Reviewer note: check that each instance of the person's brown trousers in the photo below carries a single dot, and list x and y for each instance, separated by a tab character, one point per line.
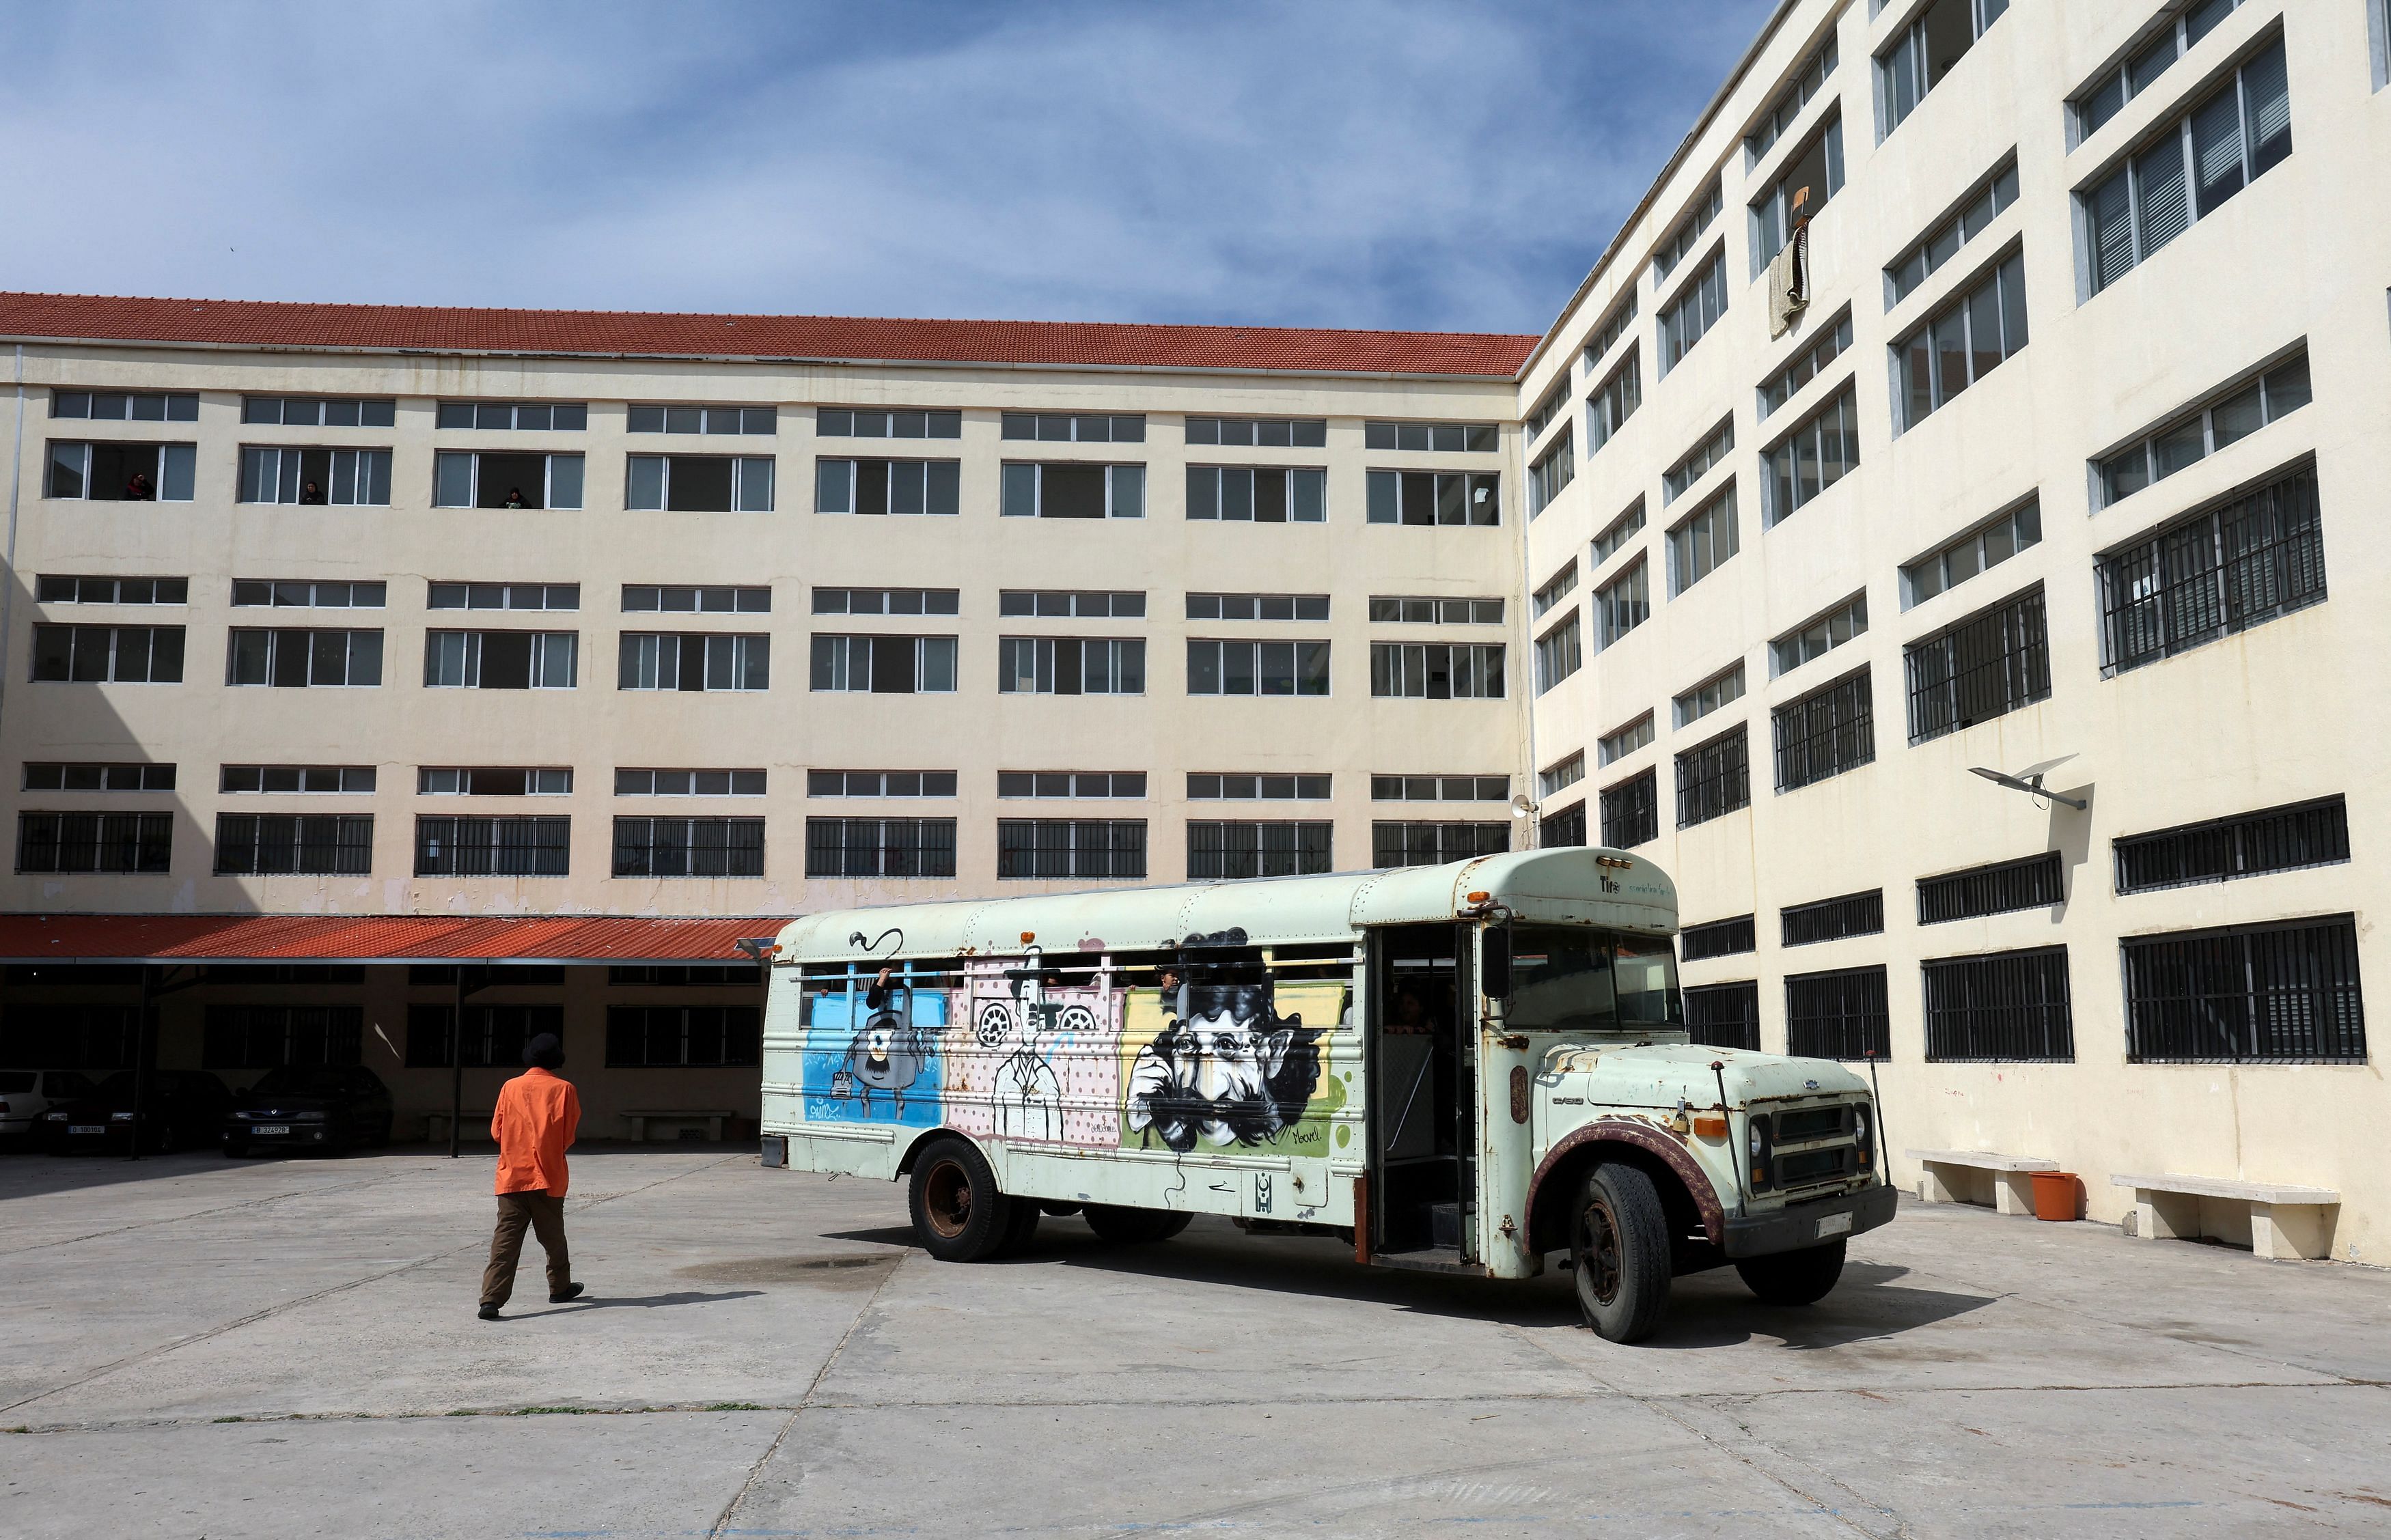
543	1215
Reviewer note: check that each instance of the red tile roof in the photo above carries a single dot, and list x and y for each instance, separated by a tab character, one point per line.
255	323
370	938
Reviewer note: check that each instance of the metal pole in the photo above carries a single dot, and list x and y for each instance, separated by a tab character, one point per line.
144	1045
456	1065
16	489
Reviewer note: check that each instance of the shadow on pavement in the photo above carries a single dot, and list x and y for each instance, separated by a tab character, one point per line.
1714	1310
642	1302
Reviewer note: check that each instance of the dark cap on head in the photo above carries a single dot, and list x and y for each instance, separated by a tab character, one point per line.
544	1052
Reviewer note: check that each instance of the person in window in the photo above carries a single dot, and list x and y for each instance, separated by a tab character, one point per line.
514	499
310	492
538	1113
138	490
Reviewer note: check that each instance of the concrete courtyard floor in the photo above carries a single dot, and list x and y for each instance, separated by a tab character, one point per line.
192	1346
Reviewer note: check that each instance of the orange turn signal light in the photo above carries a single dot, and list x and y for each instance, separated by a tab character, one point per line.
1479	897
1710	1125
1029	936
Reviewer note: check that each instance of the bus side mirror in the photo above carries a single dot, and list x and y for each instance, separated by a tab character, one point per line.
1495	962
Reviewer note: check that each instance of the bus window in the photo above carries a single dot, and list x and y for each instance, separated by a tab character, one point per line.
1647	970
1560	980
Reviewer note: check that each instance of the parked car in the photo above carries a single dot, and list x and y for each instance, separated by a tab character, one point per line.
185	1107
25	1095
327	1108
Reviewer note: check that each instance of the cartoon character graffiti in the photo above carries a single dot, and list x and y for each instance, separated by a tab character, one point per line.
887	1053
1226	1068
1028	1094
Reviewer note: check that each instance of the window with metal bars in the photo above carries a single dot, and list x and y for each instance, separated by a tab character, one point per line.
1715	778
1718	938
672	1038
2248	844
269	1037
1565	828
1266	848
1725	1016
1826	732
1041	847
492	1038
1833	918
96	1039
2255	994
2001	888
1425	845
492	847
2254	557
1987	665
93	841
2005	1007
689	847
1838	1015
1631	811
880	847
309	843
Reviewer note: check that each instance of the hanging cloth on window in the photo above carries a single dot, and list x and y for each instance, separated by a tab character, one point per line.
1789	283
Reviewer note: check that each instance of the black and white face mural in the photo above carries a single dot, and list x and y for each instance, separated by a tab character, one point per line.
1226	1068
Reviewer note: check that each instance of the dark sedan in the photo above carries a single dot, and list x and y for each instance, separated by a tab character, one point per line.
323	1108
183	1108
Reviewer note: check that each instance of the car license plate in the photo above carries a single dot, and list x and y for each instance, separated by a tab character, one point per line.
285	1128
86	1128
1834	1223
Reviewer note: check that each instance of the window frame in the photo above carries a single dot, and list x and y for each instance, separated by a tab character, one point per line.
1302	494
1809	750
941	489
2154	467
1011	482
1278	847
925	666
1961	304
1722	761
1611	603
743	484
443	458
176	464
1909	39
1708	283
1938	705
1309	663
1699	551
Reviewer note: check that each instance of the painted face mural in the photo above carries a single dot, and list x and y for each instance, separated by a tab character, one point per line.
887	1055
1226	1068
871	1053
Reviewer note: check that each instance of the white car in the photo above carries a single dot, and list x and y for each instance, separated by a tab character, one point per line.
25	1095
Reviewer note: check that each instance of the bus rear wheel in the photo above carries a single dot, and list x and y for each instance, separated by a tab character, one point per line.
959	1212
1134	1226
1619	1253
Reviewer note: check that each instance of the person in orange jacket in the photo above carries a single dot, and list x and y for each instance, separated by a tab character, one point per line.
538	1116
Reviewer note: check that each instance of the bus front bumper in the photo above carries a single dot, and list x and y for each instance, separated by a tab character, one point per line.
1811	1224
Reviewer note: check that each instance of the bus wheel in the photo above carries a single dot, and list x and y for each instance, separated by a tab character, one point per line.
1134	1226
1619	1253
1794	1278
959	1214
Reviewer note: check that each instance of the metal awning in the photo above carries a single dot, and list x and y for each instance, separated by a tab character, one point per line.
374	938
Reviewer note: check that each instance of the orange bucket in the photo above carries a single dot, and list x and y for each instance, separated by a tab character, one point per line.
2054	1195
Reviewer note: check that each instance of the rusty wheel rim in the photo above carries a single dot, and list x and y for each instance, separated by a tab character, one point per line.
1598	1252
946	1199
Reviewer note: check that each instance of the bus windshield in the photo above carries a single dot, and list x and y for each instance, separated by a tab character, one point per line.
1567	978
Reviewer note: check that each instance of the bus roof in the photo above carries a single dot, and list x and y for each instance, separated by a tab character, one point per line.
1570	885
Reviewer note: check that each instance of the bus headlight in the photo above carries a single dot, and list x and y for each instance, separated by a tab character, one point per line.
1864	1135
1761	1142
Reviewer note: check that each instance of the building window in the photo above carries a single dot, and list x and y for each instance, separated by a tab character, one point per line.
96	1039
689	847
1693	311
275	780
1831	339
1010	602
500	659
1443	438
1420	845
1798	94
1833	918
1065	428
1825	733
1725	1016
1235	850
1564	829
492	780
271	1037
2189	169
1720	689
1261	432
1924	53
1631	811
1984	203
1618	745
157	406
1211	786
1688	232
1396	610
2255	994
492	1038
1039	849
1718	938
123	472
1623	605
847	422
1715	778
2291	837
698	483
1559	654
99	777
1070	785
294	659
1614	327
1243	494
683	975
882	666
301	594
869	783
65	843
1614	401
1440	788
931	487
1257	667
1696	462
715	660
2378	28
1548	410
1436	671
641	598
1814	456
880	847
2250	405
1435	497
2002	888
700	782
466	479
719	419
670	1037
1074	491
1560	586
1554	470
1964	341
118	654
2249	559
336	477
488	596
2106	93
532	417
1980	549
2007	1008
1809	179
1992	663
1074	665
1818	637
514	846
327	844
1615	535
1838	1015
884	601
1702	542
50	589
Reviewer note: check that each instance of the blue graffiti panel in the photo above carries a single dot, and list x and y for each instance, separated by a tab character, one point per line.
871	1055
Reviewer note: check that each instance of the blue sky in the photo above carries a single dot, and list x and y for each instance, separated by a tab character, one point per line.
1431	165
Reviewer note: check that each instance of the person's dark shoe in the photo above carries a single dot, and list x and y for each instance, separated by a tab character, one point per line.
572	1292
489	1313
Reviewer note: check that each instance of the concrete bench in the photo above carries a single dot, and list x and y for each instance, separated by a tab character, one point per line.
2285	1221
713	1121
2009	1176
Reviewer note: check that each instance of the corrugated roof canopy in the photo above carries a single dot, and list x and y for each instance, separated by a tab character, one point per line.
371	938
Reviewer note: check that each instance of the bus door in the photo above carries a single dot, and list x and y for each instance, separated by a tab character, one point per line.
1423	1096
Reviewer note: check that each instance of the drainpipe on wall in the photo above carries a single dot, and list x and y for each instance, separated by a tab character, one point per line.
16	491
1525	674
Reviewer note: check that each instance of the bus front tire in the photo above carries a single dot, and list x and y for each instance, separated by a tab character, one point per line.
1133	1226
1794	1278
1619	1253
1019	1230
959	1212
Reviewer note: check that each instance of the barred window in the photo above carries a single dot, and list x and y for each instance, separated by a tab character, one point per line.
329	845
1044	848
2255	995
93	841
2252	559
880	847
2001	888
94	1038
1715	778
522	846
1725	1016
1826	733
689	847
270	1038
1229	850
1563	828
2248	844
1434	844
1833	918
1838	1015
492	1038
1435	671
2008	1008
672	1038
1631	811
1718	938
1987	665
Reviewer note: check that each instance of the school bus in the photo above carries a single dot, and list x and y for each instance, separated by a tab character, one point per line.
1466	1069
